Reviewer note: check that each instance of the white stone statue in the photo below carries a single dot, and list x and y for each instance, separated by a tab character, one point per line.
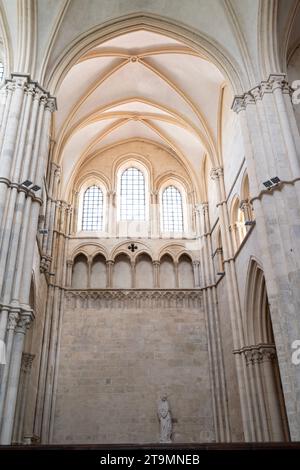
165	419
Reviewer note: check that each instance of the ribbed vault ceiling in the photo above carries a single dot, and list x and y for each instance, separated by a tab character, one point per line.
138	86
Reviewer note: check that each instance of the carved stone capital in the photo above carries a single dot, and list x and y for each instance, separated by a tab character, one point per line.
10	86
20	81
154	196
45	264
216	173
258	353
205	207
244	203
197	208
276	81
38	94
249	98
27	360
253	356
51	104
273	83
255	94
110	262
31	90
268	353
238	104
201	208
112	196
12	320
24	322
23	82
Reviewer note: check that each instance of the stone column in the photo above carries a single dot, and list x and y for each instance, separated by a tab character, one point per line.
50	213
156	274
112	213
133	274
176	274
253	359
190	213
196	264
69	273
109	273
52	330
23	159
154	214
8	413
235	236
220	260
16	95
272	144
75	227
269	420
276	413
234	303
216	360
19	420
13	318
89	266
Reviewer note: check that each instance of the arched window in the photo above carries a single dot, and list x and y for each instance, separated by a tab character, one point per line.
132	195
172	210
92	210
237	223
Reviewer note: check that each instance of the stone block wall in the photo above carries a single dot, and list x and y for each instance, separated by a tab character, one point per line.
120	352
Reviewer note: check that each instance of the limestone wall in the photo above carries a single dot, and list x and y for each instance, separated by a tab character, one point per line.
120	351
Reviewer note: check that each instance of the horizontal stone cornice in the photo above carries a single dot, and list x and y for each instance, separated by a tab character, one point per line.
257	353
133	298
274	81
20	188
23	81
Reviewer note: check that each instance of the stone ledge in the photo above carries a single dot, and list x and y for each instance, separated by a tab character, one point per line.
133	298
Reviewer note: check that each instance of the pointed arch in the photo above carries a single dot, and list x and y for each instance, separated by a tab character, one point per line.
262	367
257	321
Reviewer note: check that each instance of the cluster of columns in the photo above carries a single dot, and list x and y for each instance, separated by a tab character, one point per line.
20	434
24	143
253	406
267	410
47	225
272	146
46	395
216	360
